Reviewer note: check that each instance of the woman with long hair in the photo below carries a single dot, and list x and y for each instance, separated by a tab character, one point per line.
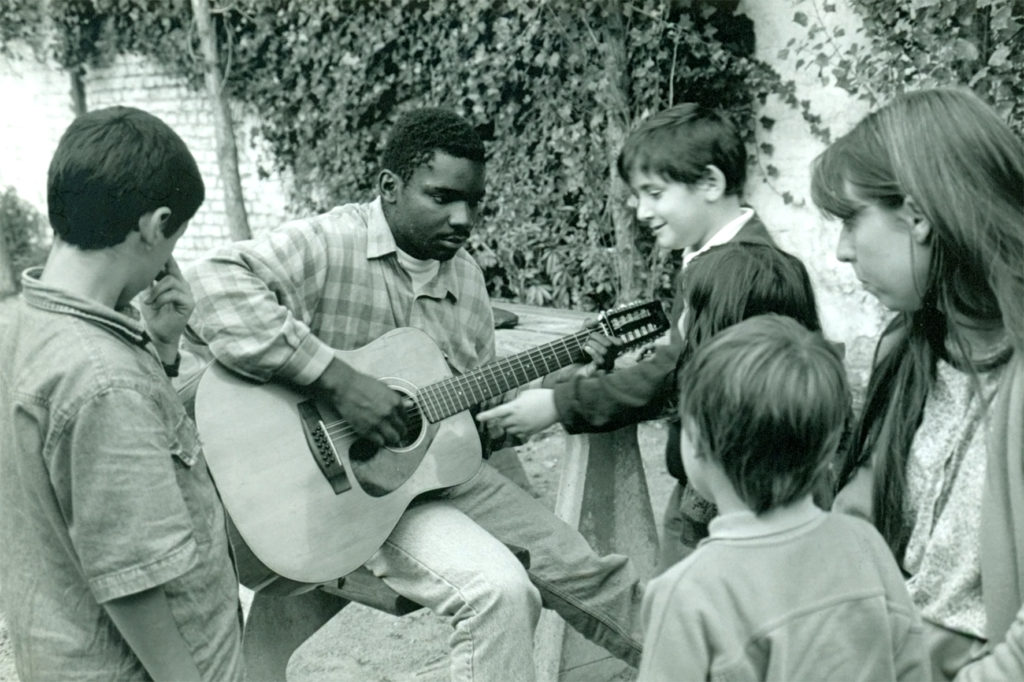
930	191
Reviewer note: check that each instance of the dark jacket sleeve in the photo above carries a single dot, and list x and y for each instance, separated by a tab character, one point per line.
643	391
625	396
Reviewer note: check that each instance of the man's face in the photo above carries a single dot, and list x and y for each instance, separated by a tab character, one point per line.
433	212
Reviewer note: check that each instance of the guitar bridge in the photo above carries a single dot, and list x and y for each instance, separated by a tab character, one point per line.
322	448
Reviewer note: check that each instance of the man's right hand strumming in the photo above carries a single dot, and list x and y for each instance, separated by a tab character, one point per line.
374	411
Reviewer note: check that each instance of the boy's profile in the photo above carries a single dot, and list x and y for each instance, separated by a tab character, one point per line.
686	167
115	561
780	590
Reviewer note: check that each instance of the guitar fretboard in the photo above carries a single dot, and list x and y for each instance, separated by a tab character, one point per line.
453	395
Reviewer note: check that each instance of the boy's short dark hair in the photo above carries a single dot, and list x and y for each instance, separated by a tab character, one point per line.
767	399
418	134
679	144
111	167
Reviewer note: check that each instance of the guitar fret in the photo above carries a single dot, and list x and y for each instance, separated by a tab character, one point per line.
457	393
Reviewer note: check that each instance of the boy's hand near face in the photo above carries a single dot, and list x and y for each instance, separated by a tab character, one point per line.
167	306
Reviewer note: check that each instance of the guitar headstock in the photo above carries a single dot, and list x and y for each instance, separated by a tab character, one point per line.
634	323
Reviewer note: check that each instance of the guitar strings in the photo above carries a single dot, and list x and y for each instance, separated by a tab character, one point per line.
342	428
459	384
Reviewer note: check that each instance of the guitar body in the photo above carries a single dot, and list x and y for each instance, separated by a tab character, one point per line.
303	524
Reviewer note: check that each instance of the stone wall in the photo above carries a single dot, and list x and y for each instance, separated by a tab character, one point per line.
848	313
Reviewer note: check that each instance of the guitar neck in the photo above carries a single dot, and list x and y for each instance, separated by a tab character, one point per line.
453	395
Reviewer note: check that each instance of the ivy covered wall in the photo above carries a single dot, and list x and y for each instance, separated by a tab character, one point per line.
553	86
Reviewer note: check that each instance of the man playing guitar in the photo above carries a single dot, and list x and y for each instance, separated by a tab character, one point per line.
276	308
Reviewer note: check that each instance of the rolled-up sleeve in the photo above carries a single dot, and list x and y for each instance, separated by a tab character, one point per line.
255	301
126	517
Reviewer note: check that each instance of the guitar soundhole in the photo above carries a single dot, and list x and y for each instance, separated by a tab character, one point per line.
363	450
413	424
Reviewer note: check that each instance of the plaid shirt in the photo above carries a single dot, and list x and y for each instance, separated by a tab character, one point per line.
274	307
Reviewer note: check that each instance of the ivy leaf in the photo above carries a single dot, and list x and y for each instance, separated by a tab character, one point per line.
800	18
965	49
1000	57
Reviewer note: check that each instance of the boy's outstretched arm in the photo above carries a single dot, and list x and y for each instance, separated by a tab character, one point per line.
624	396
144	620
533	410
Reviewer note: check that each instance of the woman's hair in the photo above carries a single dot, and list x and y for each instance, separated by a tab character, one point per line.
963	168
737	280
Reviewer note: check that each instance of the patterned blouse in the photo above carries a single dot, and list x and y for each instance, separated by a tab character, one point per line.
945	478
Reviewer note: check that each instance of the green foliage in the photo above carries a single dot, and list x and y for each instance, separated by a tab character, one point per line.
327	79
24	230
19	21
912	44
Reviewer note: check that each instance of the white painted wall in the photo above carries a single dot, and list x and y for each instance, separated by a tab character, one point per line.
848	314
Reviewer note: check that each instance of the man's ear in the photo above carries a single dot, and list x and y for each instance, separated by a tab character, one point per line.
152	225
713	183
388	185
920	226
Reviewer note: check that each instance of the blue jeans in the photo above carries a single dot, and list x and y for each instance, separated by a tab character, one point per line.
448	553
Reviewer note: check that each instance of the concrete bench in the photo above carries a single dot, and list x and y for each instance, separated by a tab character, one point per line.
602	491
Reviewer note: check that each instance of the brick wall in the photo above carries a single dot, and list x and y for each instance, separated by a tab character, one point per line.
31	128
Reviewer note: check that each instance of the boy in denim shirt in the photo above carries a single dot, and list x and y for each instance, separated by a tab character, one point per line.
779	590
115	561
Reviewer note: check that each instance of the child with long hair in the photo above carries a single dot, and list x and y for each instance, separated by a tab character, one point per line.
722	286
930	189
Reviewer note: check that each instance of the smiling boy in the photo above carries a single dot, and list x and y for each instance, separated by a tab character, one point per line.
686	167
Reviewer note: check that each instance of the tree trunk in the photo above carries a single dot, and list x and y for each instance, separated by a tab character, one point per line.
7	283
616	105
77	78
224	130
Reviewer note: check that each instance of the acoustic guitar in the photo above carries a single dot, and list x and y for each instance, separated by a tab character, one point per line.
312	500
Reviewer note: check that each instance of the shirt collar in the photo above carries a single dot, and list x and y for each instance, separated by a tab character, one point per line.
725	234
380	242
746	524
126	322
